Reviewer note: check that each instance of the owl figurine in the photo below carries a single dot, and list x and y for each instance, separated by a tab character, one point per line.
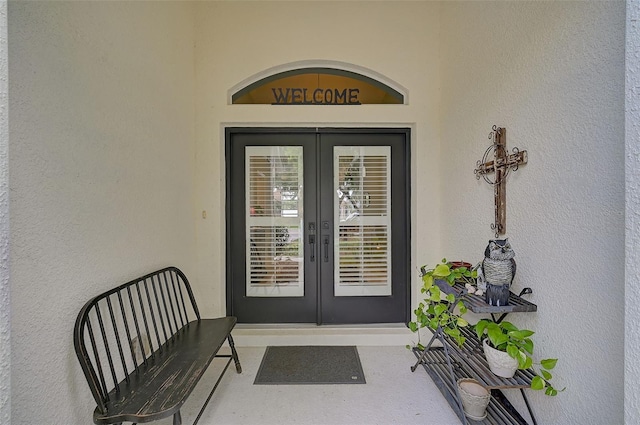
498	269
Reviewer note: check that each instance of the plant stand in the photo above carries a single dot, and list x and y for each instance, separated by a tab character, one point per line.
446	364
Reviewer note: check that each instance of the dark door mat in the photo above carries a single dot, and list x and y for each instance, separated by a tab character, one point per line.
308	364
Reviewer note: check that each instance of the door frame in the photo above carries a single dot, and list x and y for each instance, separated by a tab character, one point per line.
229	131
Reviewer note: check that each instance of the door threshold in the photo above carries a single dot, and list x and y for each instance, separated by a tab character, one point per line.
315	326
379	334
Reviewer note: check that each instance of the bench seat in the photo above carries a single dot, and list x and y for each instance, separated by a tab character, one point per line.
143	348
160	388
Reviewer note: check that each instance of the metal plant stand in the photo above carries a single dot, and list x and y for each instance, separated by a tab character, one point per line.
446	364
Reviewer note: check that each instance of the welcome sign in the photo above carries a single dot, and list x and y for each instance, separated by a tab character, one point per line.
319	96
317	86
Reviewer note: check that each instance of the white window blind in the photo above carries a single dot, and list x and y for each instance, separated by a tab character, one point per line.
274	248
362	217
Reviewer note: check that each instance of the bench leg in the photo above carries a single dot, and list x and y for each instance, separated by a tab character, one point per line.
177	418
234	354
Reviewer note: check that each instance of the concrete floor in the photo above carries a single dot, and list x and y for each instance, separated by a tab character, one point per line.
392	395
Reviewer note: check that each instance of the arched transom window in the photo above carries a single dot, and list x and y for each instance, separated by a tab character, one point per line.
317	86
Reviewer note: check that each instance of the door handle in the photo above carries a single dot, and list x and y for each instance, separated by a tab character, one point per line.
312	242
325	242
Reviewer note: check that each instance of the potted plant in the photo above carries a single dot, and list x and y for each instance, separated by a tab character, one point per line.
447	311
505	343
475	398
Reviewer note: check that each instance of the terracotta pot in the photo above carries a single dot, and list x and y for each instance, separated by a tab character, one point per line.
500	363
458	264
475	398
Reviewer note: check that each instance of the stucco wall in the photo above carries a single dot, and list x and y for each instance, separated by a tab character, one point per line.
632	294
5	311
552	73
101	159
399	40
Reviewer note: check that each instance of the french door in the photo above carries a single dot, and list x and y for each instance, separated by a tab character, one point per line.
317	225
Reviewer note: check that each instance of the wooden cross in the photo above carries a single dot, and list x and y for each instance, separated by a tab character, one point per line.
501	164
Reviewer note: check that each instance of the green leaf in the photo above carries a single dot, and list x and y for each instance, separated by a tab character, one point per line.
551	391
527	363
428	281
435	294
513	351
461	322
439	309
453	332
480	327
508	326
526	333
496	336
451	298
413	326
442	270
548	363
537	383
493	326
527	345
521	334
546	375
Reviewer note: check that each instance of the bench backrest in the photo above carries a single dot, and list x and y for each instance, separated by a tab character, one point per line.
118	332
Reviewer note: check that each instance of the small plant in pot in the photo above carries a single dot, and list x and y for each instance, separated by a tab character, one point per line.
508	348
445	312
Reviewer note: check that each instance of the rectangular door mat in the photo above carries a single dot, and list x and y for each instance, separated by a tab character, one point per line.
309	364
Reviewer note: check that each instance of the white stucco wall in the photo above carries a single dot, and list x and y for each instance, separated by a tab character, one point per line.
101	159
109	174
5	308
399	40
552	73
632	294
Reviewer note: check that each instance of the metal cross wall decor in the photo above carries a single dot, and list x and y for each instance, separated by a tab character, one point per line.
501	164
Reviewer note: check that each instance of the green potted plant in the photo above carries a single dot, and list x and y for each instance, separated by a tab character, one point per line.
436	310
508	348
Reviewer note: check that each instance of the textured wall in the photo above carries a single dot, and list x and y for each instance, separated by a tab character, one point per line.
101	160
552	73
632	294
399	40
5	311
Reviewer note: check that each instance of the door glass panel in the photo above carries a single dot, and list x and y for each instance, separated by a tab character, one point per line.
274	217
362	220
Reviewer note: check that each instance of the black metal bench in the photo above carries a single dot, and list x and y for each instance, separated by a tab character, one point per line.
143	348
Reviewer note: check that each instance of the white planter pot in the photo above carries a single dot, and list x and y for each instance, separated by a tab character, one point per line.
500	363
475	398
